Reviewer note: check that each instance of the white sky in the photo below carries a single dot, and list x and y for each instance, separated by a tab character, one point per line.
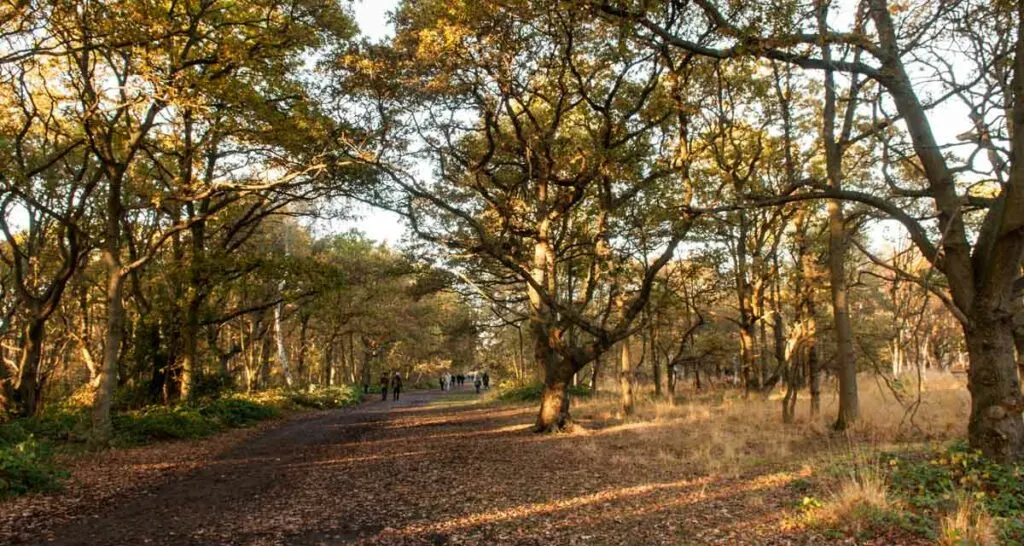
386	227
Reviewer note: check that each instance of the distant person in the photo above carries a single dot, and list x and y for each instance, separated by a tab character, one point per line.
487	381
462	379
477	383
383	386
440	381
396	385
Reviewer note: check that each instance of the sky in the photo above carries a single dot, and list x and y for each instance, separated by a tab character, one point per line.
381	226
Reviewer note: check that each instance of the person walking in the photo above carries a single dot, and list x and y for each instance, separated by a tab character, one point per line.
396	385
477	382
383	386
487	381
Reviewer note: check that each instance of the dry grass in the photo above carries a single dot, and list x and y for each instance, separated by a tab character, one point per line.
865	487
721	432
969	525
859	501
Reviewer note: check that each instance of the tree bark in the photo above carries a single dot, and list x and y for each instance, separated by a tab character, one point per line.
190	346
101	425
554	405
300	361
626	379
671	372
282	350
996	425
27	385
655	365
1018	334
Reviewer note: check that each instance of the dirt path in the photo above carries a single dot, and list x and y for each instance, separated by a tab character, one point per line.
430	469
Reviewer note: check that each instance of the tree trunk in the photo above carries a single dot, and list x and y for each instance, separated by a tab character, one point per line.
111	351
263	377
814	377
744	296
190	347
521	371
27	385
282	350
626	379
789	401
671	370
996	426
328	365
366	367
748	357
352	371
300	361
655	365
554	405
849	405
6	386
595	374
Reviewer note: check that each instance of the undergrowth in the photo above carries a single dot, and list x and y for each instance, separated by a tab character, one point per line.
27	445
949	495
533	391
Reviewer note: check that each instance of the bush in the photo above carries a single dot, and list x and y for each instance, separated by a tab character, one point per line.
533	391
237	412
59	424
162	423
325	397
26	444
26	466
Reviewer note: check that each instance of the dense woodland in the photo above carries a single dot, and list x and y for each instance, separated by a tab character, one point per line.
636	196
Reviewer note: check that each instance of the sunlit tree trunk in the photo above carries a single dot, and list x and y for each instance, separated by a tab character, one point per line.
111	350
626	379
282	349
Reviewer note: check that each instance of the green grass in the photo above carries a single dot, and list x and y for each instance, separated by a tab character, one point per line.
27	445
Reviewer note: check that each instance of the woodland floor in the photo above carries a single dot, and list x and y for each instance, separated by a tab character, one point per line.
431	469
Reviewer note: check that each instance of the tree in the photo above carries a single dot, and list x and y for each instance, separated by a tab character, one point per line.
982	260
564	138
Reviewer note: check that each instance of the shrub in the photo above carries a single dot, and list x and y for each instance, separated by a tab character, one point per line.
533	391
162	423
325	397
237	412
26	466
